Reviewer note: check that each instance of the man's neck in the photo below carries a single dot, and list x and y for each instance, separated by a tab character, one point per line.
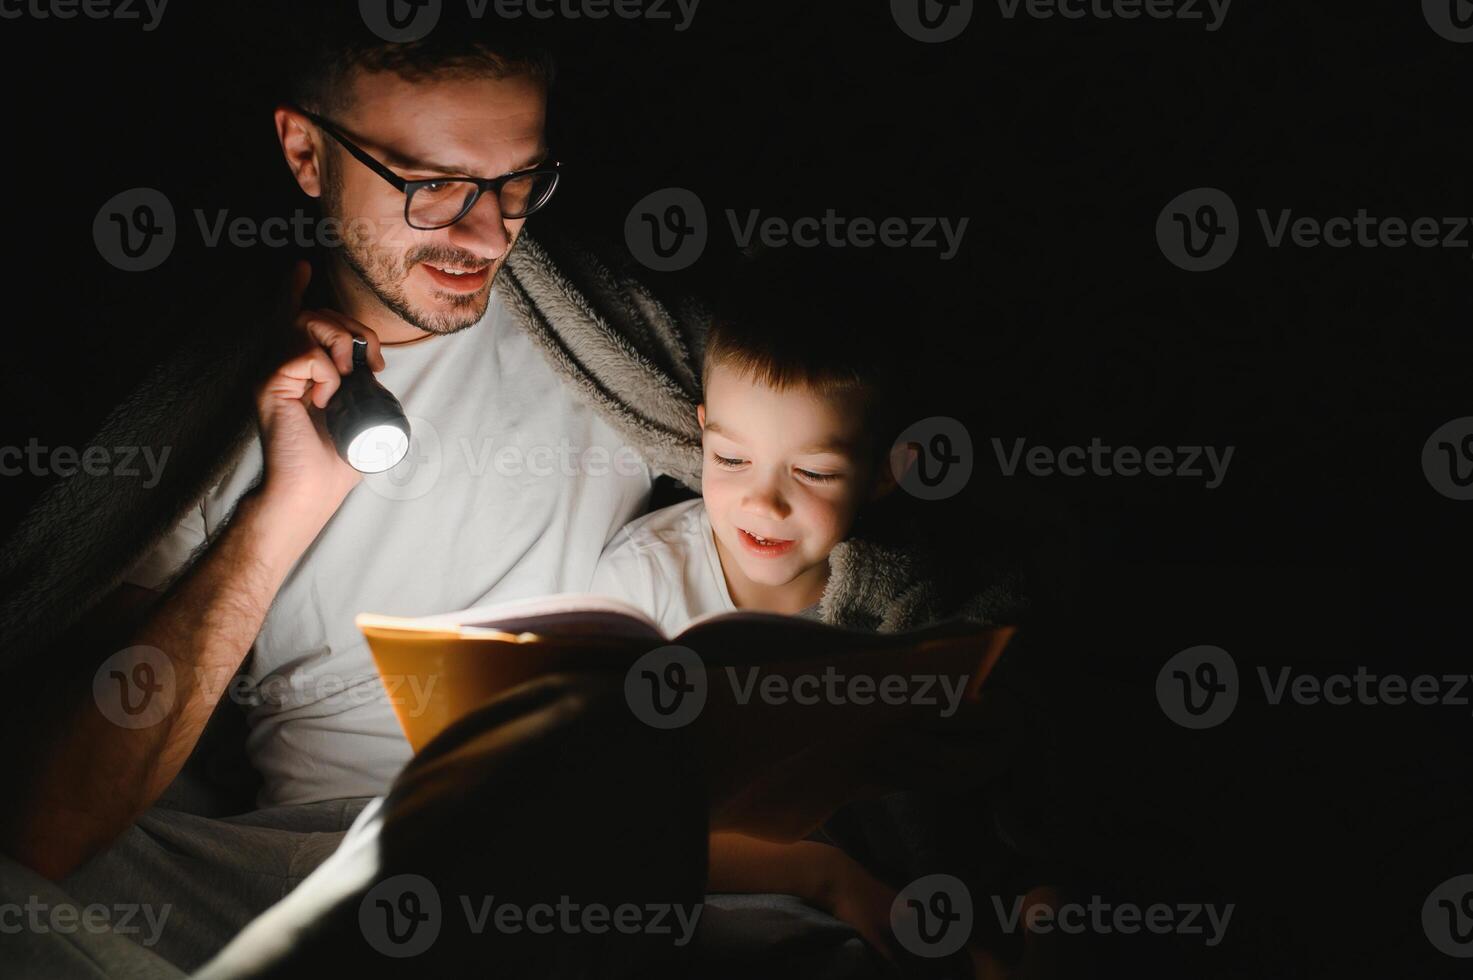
358	301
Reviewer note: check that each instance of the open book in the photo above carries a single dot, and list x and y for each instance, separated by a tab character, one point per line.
787	707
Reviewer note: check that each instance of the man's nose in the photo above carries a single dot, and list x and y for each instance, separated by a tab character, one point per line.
483	231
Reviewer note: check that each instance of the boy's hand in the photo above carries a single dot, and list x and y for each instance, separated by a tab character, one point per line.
854	896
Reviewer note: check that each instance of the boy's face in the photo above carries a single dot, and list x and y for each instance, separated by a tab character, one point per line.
792	467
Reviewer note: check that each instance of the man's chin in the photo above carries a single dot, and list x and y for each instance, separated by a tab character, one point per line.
438	312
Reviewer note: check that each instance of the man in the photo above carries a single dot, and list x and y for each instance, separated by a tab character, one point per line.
513	484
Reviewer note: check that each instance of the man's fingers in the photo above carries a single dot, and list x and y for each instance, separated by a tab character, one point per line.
313	368
335	332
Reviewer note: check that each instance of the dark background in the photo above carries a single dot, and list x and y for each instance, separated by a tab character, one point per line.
1058	321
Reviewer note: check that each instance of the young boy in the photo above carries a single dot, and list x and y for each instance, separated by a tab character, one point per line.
796	427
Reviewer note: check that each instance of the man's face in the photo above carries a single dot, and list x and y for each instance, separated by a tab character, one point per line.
441	127
791	466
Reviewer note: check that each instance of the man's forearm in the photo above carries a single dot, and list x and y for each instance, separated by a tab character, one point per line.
99	776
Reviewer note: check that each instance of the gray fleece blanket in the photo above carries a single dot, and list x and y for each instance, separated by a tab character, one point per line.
633	358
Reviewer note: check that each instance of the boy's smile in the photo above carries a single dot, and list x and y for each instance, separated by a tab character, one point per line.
765	547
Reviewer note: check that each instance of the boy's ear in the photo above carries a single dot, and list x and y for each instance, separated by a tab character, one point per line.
899	460
701	415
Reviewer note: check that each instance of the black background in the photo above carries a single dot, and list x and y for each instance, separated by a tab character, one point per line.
1059	320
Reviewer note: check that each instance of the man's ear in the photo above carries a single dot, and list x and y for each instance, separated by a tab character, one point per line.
299	144
701	415
897	463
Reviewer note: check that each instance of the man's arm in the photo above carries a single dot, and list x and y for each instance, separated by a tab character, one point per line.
95	777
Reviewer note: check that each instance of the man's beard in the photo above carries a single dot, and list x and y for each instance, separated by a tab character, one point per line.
384	273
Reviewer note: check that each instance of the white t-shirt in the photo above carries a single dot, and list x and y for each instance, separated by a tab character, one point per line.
511	489
665	563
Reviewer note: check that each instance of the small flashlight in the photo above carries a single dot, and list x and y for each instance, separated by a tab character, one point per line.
365	420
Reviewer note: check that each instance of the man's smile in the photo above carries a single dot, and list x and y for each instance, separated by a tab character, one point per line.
458	278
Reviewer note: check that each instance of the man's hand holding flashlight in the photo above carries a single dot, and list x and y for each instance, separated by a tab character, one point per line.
305	479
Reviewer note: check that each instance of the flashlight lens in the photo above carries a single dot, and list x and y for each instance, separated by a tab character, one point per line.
377	448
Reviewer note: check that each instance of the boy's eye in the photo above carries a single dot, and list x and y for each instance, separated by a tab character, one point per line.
817	477
721	460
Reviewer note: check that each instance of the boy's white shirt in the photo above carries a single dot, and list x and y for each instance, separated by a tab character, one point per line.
666	564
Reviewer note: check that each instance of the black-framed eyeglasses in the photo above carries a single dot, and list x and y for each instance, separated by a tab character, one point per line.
440	202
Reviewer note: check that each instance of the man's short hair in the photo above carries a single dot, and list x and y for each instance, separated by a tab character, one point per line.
339	44
824	320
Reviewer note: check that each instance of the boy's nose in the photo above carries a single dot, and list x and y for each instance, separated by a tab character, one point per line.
766	502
